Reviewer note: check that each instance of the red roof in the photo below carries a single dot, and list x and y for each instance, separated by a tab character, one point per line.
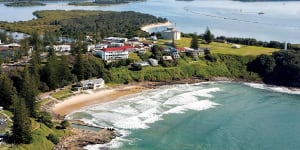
181	49
122	48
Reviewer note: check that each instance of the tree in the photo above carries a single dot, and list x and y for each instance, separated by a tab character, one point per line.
64	72
34	70
65	124
194	42
46	118
7	91
136	67
54	139
263	64
28	91
25	46
207	36
21	129
78	67
50	73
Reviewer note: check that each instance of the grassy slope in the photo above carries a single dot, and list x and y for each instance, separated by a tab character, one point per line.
40	142
222	48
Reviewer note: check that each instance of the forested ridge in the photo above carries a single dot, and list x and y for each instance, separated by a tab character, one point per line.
124	24
78	23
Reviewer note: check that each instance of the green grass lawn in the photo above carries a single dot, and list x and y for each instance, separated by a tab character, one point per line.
134	56
62	94
223	48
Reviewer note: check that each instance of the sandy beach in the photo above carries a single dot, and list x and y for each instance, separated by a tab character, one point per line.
150	26
94	97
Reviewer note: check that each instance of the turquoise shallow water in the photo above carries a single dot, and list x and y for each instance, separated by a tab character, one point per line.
246	118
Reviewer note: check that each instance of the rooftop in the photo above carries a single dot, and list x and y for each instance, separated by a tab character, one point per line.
122	48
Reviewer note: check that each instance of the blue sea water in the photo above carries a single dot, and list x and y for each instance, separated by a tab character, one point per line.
209	116
279	22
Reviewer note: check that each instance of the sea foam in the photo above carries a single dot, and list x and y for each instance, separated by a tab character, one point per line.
273	88
139	112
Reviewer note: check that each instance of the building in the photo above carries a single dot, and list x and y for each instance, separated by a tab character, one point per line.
142	63
96	47
175	55
62	48
171	34
153	62
90	84
167	58
114	53
116	39
235	46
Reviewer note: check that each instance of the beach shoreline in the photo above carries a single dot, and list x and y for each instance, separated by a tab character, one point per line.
94	97
147	28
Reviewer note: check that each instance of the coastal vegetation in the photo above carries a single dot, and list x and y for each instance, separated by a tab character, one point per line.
24	4
280	68
78	23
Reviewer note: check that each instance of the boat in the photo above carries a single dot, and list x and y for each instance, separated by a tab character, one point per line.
261	13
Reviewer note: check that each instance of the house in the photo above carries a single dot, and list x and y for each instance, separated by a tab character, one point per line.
153	62
11	45
114	53
116	39
96	47
62	48
171	34
90	84
180	50
235	46
175	55
167	58
116	44
142	63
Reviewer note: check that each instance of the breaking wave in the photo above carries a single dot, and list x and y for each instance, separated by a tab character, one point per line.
143	109
273	88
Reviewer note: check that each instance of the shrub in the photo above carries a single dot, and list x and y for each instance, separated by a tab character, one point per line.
54	139
46	118
64	124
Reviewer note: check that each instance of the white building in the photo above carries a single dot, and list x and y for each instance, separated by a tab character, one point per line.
116	39
115	44
96	47
171	34
62	48
167	58
142	63
114	53
153	62
235	46
90	84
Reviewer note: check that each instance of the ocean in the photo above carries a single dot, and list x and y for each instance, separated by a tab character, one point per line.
209	116
279	21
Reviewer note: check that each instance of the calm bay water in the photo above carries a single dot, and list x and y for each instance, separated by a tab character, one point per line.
280	20
210	116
